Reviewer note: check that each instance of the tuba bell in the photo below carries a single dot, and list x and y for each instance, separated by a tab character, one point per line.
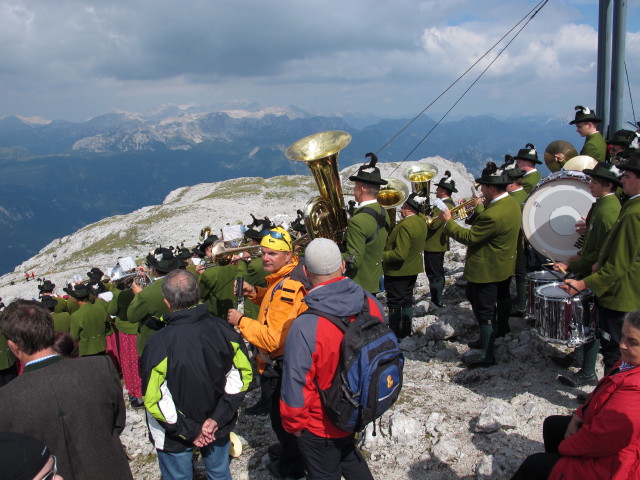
391	195
325	215
420	176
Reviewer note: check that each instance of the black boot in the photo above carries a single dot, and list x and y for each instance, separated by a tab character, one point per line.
405	323
436	287
395	318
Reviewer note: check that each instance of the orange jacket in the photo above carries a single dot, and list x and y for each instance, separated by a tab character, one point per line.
280	303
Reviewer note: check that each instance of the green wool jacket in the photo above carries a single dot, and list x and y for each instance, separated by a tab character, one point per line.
492	241
402	254
61	321
217	289
595	147
530	180
88	327
146	304
600	219
520	196
253	274
366	257
6	357
118	307
616	283
437	240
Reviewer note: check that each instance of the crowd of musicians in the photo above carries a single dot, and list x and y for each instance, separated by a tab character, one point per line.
128	320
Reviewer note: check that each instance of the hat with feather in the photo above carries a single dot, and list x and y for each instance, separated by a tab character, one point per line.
446	183
510	168
528	153
47	286
369	173
605	171
416	201
163	260
584	114
491	175
632	163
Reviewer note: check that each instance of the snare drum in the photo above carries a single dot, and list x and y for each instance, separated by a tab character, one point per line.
562	317
533	280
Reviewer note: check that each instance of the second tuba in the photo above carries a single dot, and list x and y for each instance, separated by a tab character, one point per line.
391	195
325	215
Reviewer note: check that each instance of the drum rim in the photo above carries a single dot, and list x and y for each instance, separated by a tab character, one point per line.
583	293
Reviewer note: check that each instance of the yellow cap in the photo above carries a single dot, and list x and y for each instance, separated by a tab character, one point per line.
277	239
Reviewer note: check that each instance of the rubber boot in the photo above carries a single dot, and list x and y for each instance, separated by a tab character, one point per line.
488	336
521	294
436	287
405	324
590	356
502	314
395	317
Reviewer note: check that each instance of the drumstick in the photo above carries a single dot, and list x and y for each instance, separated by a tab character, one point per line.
554	262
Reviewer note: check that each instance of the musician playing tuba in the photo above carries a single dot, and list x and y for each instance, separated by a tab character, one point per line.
367	230
437	241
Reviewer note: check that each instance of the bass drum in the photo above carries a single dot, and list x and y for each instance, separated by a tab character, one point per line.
550	213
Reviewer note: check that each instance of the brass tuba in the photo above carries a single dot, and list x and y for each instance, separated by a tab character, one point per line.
420	176
391	195
325	215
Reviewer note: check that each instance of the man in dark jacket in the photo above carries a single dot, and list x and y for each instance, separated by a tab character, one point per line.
74	406
311	358
195	373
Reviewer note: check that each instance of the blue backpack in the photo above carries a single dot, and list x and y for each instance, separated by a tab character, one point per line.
368	379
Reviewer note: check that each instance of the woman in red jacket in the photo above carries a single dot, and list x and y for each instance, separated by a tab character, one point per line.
602	438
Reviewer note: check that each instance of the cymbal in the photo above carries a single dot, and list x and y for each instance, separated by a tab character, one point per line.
580	162
558	147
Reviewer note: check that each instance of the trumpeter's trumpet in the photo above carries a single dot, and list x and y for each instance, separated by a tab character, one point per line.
221	254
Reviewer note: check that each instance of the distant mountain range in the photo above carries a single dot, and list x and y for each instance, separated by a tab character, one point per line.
57	176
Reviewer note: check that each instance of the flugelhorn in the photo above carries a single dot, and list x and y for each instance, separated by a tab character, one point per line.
458	212
391	195
324	216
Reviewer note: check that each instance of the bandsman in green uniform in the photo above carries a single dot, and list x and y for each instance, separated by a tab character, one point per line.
148	307
88	323
46	290
437	241
61	320
586	123
402	262
491	258
604	178
216	283
526	160
367	230
621	146
250	267
614	281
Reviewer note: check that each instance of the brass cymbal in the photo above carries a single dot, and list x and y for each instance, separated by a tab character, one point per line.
580	162
558	147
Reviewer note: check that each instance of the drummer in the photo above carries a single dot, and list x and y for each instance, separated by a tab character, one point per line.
526	160
614	281
603	180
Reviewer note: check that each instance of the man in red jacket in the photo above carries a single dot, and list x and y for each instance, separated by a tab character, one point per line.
311	356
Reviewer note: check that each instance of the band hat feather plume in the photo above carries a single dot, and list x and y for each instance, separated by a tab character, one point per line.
416	201
584	114
492	175
528	153
606	172
446	183
369	173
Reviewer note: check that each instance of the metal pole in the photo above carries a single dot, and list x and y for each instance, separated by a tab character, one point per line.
617	63
604	64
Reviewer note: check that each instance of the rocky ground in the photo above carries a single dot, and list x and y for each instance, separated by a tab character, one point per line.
450	422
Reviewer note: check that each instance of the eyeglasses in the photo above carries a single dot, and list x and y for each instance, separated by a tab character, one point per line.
276	234
54	470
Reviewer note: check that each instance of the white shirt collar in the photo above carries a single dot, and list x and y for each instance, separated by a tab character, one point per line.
367	202
500	197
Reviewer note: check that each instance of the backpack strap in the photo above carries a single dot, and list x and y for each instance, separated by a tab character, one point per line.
380	217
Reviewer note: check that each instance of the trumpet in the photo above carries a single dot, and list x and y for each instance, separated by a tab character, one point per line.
458	212
222	255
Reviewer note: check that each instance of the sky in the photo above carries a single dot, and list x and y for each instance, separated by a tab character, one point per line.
73	60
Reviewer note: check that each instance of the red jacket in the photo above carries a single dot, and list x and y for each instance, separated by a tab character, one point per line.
312	352
607	445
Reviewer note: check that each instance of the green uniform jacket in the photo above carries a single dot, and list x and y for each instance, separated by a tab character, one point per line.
615	284
491	241
72	305
520	196
118	307
6	357
255	275
595	147
437	240
61	305
530	180
601	218
402	255
217	288
146	304
61	321
88	327
366	266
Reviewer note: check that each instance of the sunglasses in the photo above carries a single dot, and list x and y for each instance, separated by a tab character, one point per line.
54	470
276	234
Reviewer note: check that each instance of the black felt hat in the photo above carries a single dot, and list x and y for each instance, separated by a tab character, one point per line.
298	224
369	173
510	168
528	153
46	286
49	302
584	114
163	260
622	138
95	274
632	163
447	183
605	171
416	201
253	234
79	291
491	175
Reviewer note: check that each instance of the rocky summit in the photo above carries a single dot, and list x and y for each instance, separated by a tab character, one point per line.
450	422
